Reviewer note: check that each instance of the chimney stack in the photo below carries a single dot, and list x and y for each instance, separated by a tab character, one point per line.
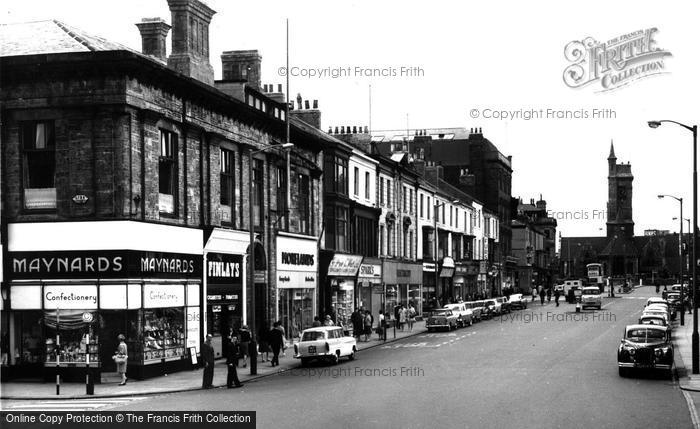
242	66
153	34
307	114
190	50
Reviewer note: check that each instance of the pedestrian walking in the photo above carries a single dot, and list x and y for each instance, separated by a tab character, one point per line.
232	362
381	329
557	293
368	320
403	317
549	294
264	343
208	357
357	320
284	336
276	338
317	322
246	338
120	357
542	294
534	293
411	317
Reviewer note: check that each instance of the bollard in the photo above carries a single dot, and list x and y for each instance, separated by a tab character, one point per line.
89	384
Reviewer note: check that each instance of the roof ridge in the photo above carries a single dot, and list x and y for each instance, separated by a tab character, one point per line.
73	33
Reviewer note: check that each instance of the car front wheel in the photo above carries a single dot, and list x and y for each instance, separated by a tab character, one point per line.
352	354
336	358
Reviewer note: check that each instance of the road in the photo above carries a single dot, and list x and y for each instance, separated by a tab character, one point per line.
543	367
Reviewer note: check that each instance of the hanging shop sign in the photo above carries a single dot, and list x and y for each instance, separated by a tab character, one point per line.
344	265
102	264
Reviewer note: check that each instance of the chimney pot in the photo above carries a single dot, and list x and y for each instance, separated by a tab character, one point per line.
279	87
306	104
315	104
354	129
330	130
342	129
366	129
336	130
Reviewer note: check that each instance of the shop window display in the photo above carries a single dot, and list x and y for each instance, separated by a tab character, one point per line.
28	346
344	306
163	334
78	338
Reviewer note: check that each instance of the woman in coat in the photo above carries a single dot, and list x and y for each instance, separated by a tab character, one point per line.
122	357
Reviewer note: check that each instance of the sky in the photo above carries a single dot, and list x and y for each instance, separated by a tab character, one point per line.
463	62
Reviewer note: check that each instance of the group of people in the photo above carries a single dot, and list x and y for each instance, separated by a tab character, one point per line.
269	341
545	293
405	316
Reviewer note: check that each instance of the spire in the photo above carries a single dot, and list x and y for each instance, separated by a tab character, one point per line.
612	151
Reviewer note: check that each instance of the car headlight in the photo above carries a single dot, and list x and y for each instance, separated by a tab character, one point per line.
632	351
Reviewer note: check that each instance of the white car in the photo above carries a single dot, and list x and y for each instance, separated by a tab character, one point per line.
464	314
590	297
324	343
494	306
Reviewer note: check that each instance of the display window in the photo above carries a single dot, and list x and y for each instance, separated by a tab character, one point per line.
162	334
296	310
343	301
71	337
28	336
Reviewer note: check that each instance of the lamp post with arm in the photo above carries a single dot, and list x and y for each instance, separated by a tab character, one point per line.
251	248
680	255
695	337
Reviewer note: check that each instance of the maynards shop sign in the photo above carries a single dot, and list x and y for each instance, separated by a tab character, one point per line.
102	264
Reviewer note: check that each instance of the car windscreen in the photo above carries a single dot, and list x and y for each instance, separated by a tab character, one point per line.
312	336
439	312
591	291
641	335
490	303
653	321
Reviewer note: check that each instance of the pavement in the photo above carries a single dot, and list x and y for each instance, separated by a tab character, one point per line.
682	340
177	382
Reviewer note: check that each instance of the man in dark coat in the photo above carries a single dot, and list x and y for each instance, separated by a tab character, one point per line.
276	342
231	362
357	320
208	358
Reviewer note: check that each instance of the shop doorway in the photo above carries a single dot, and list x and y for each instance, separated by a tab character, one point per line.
221	318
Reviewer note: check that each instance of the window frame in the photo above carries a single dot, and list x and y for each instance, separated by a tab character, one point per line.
50	147
227	157
173	160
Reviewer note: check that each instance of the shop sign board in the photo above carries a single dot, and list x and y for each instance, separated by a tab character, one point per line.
64	297
163	295
344	265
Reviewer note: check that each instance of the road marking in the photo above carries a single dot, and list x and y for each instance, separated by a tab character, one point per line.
691	407
77	404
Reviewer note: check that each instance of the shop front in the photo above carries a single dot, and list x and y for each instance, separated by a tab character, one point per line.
67	307
296	279
341	276
446	272
403	282
369	280
482	280
224	283
464	280
429	300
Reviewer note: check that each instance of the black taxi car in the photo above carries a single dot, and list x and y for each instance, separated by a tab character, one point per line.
645	347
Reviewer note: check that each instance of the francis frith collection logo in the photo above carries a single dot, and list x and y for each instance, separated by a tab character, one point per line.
615	63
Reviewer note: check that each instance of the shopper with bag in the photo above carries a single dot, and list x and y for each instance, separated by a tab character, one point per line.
120	358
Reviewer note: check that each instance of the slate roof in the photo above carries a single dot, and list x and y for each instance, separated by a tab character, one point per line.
51	37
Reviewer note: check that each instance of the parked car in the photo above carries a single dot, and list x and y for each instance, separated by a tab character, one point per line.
441	318
464	314
645	347
493	306
653	319
477	309
590	297
324	343
656	301
517	300
660	311
505	304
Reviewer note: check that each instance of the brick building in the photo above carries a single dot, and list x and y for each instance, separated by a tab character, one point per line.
125	183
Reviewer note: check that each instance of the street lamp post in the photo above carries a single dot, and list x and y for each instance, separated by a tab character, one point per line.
680	255
251	249
695	337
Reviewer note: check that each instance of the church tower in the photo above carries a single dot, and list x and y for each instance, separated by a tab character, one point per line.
620	179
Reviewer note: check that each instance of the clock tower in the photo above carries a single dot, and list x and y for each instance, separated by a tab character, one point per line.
620	223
